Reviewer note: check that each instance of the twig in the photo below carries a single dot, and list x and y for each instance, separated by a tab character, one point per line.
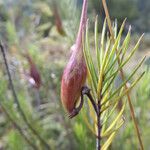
37	96
99	125
97	108
77	110
17	101
86	91
19	129
122	76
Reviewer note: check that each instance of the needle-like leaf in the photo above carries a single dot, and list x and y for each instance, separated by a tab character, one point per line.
116	99
109	141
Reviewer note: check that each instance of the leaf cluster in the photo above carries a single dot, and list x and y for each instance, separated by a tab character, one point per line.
102	73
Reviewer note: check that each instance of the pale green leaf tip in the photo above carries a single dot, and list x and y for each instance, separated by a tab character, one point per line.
130	28
87	21
96	18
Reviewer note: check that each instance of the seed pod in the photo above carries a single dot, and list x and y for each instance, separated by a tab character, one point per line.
58	21
74	74
34	73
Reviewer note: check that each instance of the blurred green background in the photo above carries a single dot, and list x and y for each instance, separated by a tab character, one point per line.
32	26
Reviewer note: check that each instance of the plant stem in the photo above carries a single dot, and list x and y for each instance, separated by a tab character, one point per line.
98	145
17	101
122	76
97	108
19	129
86	91
37	96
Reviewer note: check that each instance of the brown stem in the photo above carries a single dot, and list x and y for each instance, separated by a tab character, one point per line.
122	76
98	144
86	91
37	96
97	108
77	110
17	101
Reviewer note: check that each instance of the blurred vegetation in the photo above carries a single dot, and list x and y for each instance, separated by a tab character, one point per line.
29	26
136	11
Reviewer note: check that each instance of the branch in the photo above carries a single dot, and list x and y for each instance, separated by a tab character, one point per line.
97	108
86	91
17	101
19	129
122	76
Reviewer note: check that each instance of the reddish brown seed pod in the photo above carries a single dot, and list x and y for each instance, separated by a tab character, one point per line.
73	79
75	72
34	73
58	21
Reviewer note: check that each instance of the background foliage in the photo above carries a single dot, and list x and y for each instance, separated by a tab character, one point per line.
29	25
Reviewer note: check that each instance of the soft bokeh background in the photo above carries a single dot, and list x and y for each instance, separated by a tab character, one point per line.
32	26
